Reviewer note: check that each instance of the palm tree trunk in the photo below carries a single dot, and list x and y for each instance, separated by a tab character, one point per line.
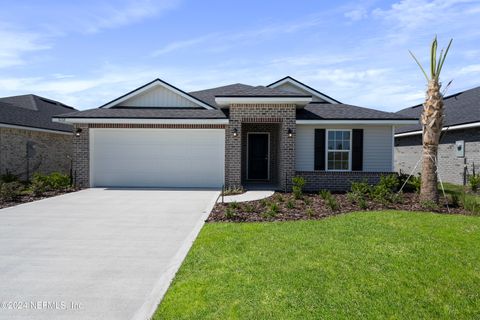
432	122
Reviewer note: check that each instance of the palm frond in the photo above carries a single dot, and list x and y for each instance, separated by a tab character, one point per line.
433	58
418	63
440	63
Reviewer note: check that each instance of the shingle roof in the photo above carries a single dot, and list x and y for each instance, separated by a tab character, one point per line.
33	111
148	113
459	108
240	90
327	111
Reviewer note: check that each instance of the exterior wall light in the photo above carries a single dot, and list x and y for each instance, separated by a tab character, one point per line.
290	133
77	132
235	132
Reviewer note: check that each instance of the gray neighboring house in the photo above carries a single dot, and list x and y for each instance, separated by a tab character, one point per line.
235	135
29	141
459	148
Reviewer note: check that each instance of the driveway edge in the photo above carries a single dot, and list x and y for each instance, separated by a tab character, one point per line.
149	307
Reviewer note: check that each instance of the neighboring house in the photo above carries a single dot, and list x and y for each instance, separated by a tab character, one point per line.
29	141
234	135
459	146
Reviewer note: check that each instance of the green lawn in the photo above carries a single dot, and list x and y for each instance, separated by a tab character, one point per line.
397	265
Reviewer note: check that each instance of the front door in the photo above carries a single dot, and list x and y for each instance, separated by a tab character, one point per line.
258	156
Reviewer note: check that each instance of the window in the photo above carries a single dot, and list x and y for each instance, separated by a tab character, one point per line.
338	150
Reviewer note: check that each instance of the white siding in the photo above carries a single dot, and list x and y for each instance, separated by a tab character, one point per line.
377	147
158	97
296	90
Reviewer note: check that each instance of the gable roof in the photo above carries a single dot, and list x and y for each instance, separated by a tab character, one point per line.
459	108
33	111
303	86
151	85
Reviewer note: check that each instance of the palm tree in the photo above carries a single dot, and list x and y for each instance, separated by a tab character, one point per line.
432	122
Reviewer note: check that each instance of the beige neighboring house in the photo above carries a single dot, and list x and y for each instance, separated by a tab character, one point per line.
29	141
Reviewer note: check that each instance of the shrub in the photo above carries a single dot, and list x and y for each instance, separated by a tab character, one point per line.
380	193
332	203
352	197
290	204
474	181
413	183
307	201
454	200
389	181
9	191
233	205
429	205
230	213
274	207
248	208
54	181
309	212
279	197
360	189
8	177
298	184
264	202
324	194
362	203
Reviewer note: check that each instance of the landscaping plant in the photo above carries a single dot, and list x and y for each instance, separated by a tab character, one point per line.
298	184
432	122
474	181
10	191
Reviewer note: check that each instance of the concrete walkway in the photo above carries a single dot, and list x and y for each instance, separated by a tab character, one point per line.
248	196
96	253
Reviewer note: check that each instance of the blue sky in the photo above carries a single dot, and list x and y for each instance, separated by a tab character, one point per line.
355	51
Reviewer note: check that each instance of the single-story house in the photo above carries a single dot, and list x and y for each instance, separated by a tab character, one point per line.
235	135
29	141
459	149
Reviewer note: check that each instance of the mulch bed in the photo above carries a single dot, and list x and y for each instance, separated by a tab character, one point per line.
314	207
30	198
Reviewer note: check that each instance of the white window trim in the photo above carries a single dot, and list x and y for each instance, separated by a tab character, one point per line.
248	141
335	150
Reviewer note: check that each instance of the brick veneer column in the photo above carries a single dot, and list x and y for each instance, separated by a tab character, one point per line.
81	157
260	113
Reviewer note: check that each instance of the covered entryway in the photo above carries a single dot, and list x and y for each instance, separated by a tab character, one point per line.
157	157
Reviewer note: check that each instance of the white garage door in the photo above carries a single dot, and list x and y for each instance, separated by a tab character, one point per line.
157	157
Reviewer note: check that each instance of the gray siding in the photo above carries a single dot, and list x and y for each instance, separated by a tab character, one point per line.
408	151
377	147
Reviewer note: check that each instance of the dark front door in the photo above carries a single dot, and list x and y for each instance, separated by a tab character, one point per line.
257	168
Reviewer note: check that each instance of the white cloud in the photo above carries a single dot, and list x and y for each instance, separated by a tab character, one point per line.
473	68
356	14
15	44
108	16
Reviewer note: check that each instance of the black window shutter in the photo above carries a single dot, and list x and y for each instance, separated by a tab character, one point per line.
357	149
319	149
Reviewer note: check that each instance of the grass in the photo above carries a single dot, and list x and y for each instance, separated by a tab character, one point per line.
470	201
398	265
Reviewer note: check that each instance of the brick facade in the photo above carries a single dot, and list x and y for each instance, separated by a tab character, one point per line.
408	150
243	114
337	181
49	152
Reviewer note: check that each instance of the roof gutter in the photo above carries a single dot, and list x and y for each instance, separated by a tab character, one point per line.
352	121
13	126
140	121
457	127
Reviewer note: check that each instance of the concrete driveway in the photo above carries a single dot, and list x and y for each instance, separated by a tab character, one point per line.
96	253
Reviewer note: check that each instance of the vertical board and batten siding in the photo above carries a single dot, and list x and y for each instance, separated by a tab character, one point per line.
294	89
158	97
377	147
